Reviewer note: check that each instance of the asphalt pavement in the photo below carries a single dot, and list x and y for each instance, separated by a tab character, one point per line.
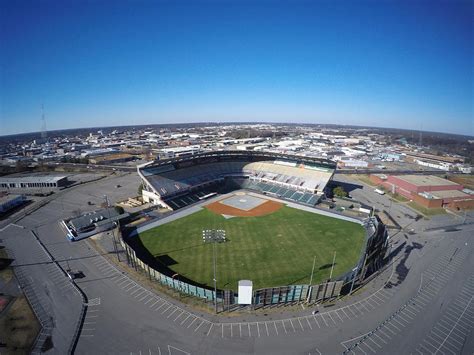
421	303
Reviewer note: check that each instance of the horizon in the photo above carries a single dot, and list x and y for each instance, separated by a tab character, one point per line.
370	64
234	123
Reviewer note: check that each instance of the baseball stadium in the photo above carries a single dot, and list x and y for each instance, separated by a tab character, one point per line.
261	211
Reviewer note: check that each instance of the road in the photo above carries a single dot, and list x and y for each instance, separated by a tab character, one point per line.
420	303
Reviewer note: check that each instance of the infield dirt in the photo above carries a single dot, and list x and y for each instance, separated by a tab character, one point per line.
261	210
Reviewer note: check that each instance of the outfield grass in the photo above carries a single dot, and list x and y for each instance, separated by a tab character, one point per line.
271	250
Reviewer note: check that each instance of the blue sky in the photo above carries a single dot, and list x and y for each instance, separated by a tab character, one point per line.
404	64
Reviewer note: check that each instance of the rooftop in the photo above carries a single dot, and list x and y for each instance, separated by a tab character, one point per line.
34	178
93	217
6	198
425	180
450	194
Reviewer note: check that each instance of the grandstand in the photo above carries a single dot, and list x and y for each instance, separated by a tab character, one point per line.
178	182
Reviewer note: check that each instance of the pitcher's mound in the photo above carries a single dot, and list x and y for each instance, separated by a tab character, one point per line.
263	208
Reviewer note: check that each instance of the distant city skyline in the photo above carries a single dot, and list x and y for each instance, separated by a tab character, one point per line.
367	63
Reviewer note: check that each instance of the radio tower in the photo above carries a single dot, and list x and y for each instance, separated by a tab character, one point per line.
43	123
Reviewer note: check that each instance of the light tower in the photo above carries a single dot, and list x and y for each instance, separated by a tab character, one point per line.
214	236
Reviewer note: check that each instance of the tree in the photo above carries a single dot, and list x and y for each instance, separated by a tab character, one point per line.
339	192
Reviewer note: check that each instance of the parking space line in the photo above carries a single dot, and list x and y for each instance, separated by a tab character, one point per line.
185	319
342	309
175	309
301	325
126	288
393	325
210	328
390	330
372	340
294	330
408	307
167	309
182	312
327	325
150	299
381	339
337	314
367	345
395	320
199	326
190	324
164	303
314	317
145	296
329	314
405	315
372	299
375	295
139	289
125	279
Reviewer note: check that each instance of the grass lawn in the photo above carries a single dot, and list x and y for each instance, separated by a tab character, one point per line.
426	211
465	180
398	197
364	178
271	250
18	327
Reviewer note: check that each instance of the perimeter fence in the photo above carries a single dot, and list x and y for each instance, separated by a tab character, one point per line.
261	297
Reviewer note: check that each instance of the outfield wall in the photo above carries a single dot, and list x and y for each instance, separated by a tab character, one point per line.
261	297
176	284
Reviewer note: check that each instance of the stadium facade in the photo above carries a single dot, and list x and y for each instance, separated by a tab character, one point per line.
177	182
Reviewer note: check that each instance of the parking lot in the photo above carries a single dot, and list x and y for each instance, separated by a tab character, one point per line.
419	303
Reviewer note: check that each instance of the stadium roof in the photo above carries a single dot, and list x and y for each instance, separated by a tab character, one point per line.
243	153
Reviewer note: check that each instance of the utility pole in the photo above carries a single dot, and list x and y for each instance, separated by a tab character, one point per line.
312	271
332	267
311	279
113	228
214	236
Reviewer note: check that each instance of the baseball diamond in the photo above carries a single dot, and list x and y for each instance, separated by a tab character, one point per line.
271	247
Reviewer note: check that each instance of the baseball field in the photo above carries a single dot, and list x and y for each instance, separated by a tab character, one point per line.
272	249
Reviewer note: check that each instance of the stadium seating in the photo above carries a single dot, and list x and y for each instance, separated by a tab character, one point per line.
179	182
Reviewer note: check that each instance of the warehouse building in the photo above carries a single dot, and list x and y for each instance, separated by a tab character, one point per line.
427	190
33	184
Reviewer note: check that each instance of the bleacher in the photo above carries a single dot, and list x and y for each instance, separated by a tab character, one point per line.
181	201
179	182
289	194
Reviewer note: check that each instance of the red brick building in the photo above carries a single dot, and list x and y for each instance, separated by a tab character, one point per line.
426	190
